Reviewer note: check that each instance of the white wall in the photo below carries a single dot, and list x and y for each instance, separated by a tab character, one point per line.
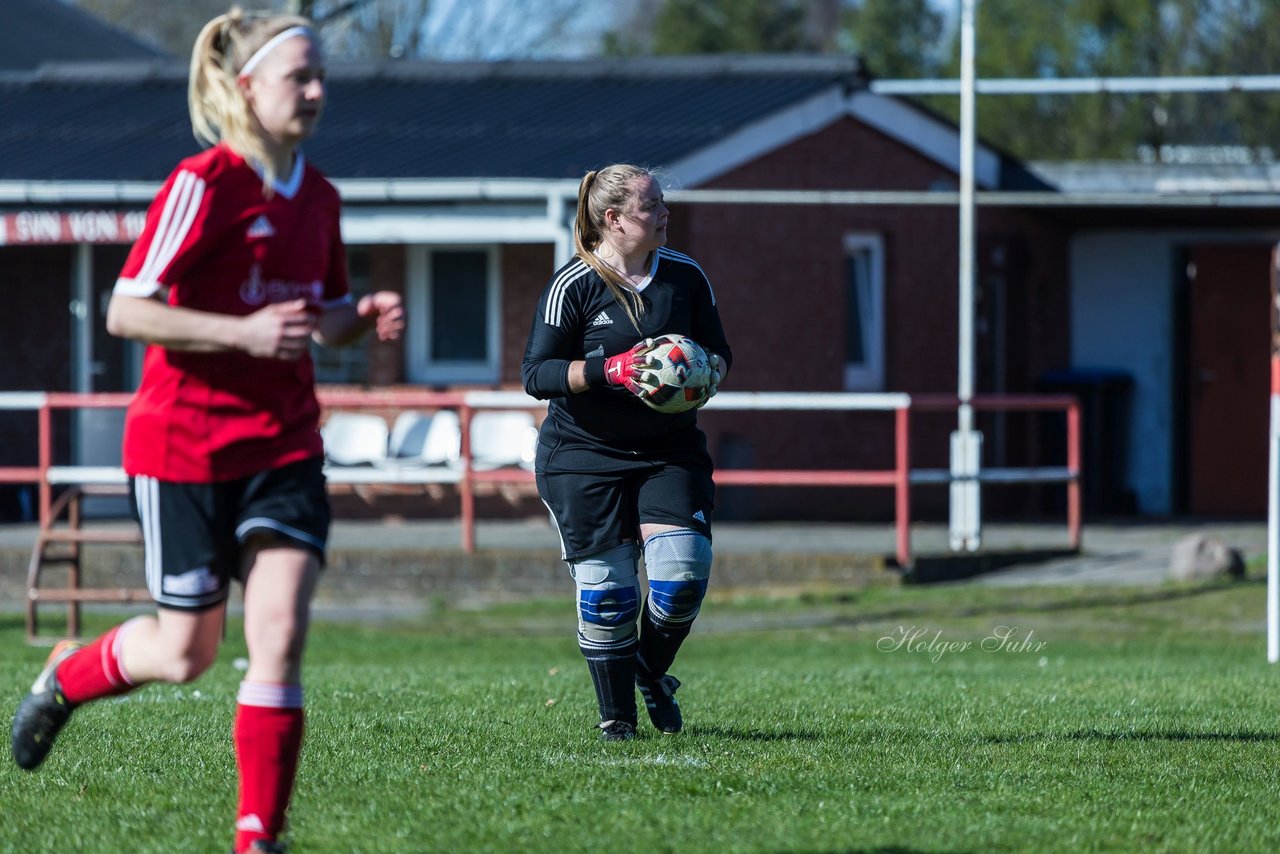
1122	316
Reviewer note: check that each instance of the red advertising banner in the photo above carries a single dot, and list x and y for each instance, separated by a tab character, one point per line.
26	228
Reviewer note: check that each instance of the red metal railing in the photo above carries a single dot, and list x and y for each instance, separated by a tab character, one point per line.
79	479
1069	474
898	477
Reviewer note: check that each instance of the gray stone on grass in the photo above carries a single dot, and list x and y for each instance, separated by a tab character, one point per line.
1201	557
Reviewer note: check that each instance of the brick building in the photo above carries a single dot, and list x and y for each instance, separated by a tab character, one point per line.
459	183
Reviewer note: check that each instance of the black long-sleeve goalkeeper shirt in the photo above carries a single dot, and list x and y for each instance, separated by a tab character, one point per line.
578	318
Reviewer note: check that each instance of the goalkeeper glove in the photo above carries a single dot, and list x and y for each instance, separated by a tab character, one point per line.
626	369
713	384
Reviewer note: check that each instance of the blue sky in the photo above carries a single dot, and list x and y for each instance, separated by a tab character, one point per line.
486	29
461	29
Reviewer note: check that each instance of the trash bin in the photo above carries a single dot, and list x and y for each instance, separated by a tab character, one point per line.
1105	399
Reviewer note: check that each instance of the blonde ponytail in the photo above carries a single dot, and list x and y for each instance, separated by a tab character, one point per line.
219	111
610	187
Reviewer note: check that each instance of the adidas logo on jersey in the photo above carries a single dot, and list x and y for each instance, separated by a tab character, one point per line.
602	319
261	228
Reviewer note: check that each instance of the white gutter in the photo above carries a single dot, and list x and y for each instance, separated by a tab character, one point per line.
352	190
364	191
1080	85
423	190
59	192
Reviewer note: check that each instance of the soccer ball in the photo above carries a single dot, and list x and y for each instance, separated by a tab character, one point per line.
678	377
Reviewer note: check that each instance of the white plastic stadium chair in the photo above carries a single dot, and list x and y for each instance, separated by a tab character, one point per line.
352	439
442	444
503	439
409	438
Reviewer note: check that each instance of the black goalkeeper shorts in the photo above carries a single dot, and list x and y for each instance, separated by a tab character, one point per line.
599	497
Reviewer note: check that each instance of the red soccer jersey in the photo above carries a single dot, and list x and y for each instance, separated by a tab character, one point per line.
217	243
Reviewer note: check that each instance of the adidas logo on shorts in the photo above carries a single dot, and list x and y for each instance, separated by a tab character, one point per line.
602	319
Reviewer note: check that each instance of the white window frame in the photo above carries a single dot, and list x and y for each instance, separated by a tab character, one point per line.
868	376
418	284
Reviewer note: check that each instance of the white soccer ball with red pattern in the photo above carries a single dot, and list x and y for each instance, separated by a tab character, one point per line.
678	376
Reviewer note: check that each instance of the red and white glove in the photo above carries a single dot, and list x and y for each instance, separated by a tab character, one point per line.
625	368
713	385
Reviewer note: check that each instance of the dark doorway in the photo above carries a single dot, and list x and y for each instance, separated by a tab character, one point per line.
1226	382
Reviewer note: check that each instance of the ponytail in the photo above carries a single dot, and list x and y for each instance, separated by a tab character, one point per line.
219	111
598	191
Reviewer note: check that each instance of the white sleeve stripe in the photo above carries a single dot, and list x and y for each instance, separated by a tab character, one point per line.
162	228
180	211
555	299
180	235
685	259
183	215
135	287
159	252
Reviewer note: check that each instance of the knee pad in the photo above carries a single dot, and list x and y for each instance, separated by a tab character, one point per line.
608	597
678	564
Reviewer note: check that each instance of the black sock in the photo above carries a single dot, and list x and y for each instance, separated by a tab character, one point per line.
613	673
659	643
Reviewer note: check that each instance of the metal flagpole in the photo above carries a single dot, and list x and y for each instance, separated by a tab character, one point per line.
966	443
1273	477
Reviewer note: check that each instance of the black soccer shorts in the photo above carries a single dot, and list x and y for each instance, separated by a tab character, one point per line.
599	497
194	533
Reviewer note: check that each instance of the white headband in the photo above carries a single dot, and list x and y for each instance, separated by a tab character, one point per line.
271	45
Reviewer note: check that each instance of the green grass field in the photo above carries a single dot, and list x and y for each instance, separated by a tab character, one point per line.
1110	720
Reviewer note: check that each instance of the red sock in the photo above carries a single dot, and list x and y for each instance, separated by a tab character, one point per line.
95	671
268	741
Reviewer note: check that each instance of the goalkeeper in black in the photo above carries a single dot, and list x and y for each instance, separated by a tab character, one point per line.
621	478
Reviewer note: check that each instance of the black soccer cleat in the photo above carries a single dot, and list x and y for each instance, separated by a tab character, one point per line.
617	731
43	713
660	701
